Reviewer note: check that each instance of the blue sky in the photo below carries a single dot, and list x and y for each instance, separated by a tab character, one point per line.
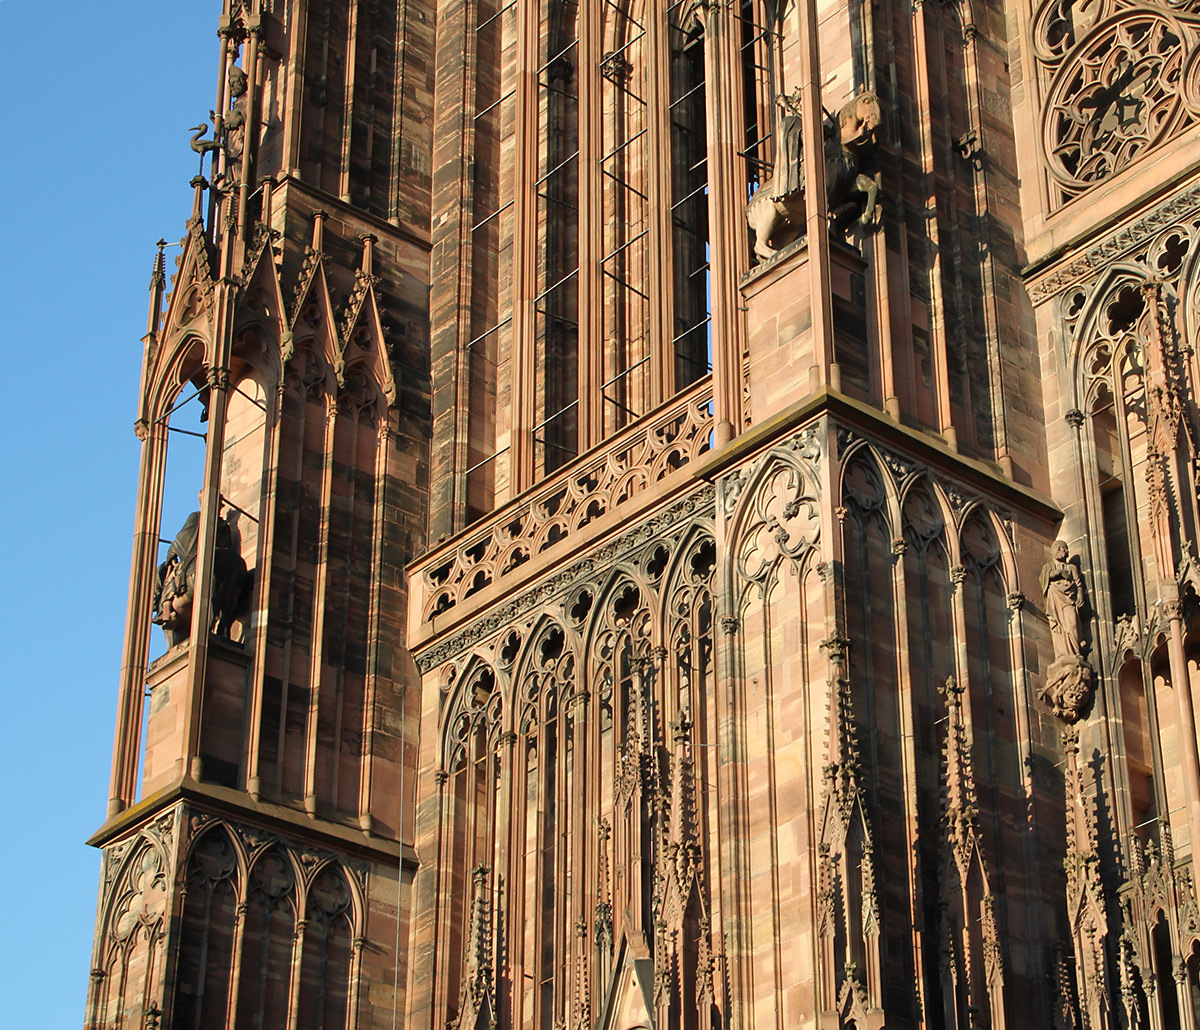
94	167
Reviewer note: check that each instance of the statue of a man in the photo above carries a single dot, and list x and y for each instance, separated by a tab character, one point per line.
234	132
788	175
1063	588
172	600
176	578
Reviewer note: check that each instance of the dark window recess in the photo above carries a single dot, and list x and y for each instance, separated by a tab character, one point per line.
1116	538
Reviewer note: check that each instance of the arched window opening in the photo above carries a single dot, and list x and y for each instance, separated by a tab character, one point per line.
625	185
186	421
243	458
177	442
692	292
349	546
758	50
1164	972
270	924
1139	756
489	343
206	941
1110	467
305	405
325	108
325	961
556	299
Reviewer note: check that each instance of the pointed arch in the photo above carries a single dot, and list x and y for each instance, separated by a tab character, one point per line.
260	308
363	340
184	362
1189	293
1113	278
775	519
476	689
132	924
623	600
191	291
313	316
214	876
324	998
926	513
269	929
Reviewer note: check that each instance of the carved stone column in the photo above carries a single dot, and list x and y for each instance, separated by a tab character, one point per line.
1173	610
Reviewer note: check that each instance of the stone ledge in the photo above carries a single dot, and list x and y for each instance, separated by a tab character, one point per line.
984	475
238	805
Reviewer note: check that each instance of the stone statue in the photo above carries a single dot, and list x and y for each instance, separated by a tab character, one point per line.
1063	589
234	129
176	577
233	132
788	176
776	211
851	178
1068	687
201	145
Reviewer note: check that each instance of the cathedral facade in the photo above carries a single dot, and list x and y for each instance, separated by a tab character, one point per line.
697	525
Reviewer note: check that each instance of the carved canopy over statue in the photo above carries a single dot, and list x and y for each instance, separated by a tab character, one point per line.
175	582
1068	687
776	212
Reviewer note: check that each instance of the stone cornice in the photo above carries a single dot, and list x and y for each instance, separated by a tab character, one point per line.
237	805
1125	239
350	213
933	451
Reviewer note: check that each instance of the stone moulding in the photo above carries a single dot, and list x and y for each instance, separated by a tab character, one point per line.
1116	245
585	490
701	502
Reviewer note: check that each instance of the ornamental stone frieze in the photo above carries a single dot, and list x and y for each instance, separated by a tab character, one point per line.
1157	225
696	504
609	481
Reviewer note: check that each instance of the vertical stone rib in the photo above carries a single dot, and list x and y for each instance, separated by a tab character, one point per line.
728	246
320	602
210	504
590	236
525	247
127	743
352	30
991	316
294	107
932	219
239	941
816	208
373	657
264	579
